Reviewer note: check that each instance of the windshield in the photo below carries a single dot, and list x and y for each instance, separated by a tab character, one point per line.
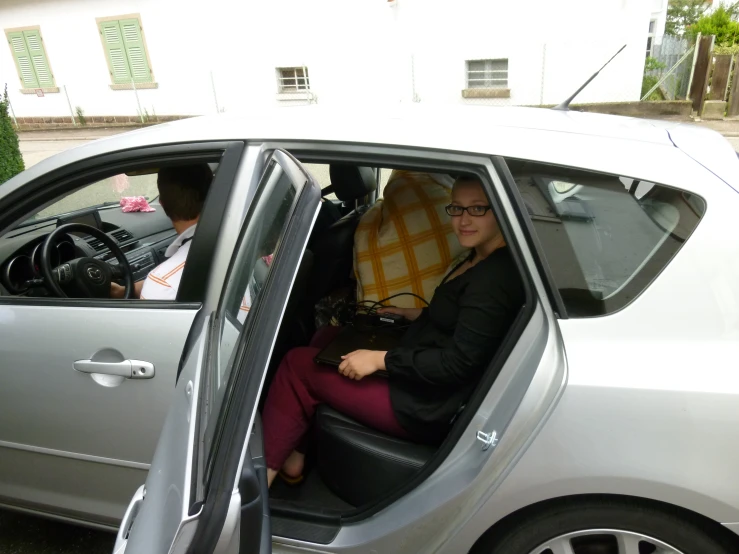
105	191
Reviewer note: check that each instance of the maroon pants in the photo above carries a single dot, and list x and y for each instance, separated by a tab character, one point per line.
300	385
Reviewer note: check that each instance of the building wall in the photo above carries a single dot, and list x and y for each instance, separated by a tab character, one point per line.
357	52
659	13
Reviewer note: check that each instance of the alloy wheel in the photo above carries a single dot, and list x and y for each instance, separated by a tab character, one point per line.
604	541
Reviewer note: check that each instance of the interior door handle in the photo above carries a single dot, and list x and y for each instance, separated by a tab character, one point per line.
130	369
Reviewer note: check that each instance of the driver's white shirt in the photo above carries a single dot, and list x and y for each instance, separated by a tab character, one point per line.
164	280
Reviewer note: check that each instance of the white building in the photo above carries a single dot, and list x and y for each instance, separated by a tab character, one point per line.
254	54
657	22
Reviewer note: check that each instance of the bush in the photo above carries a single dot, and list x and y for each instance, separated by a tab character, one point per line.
11	161
648	81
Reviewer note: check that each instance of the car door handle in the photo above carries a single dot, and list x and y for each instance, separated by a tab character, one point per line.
130	369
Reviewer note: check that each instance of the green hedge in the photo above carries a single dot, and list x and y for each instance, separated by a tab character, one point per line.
11	161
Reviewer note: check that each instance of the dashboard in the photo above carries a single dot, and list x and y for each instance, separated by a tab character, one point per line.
143	237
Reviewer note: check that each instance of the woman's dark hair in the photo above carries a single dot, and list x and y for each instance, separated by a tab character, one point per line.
182	190
467	178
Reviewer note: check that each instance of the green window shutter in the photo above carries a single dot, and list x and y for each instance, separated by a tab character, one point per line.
115	51
39	60
23	60
135	50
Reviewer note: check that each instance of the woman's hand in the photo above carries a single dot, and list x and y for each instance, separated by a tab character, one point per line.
360	363
410	314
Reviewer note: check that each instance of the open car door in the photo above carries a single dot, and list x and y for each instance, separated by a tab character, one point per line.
207	487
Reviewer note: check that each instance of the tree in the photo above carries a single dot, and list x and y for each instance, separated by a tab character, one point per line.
11	161
681	14
720	23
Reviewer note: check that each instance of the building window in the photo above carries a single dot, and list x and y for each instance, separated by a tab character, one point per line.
125	50
31	61
487	74
292	79
487	79
650	37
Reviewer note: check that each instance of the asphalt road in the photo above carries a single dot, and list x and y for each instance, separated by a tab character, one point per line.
22	534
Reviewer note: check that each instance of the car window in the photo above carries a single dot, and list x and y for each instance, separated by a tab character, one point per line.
139	182
258	248
322	176
382	182
105	191
605	237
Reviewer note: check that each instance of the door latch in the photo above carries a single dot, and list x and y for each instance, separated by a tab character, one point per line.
487	439
129	369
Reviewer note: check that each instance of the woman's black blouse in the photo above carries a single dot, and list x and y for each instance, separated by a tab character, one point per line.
445	352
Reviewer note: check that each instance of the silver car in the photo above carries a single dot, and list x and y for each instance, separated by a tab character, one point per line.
607	423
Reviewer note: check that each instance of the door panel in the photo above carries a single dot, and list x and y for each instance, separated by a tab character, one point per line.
67	443
163	514
204	493
79	444
255	496
280	223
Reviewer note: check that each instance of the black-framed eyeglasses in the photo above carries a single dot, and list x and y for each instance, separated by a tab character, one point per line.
475	211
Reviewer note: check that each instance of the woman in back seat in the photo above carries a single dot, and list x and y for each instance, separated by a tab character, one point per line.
439	363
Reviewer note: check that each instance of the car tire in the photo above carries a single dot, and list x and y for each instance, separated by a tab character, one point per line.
565	522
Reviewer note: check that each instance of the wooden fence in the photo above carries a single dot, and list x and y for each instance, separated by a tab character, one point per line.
712	75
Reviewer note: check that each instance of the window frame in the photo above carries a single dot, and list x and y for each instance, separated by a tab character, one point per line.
54	89
285	249
488	90
47	188
152	84
297	93
283	89
651	36
439	160
639	275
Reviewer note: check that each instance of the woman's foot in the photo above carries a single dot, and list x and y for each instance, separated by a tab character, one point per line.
292	468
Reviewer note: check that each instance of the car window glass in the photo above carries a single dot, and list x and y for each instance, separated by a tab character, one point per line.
106	191
257	250
382	181
322	176
139	182
605	237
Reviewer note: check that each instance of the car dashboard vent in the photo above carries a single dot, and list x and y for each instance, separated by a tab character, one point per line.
97	244
121	235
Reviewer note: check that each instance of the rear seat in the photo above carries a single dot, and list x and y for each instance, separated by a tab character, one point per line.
361	465
332	247
403	244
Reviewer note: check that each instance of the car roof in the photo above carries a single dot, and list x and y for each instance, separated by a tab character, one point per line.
620	145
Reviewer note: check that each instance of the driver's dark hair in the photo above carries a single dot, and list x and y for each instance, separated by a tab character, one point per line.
182	190
467	178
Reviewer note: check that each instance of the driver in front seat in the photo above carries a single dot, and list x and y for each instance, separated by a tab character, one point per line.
182	192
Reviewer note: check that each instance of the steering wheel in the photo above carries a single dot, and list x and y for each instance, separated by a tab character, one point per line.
89	277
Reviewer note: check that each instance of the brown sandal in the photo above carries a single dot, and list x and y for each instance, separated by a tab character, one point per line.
292	481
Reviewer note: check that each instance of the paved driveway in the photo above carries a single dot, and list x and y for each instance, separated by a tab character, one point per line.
21	534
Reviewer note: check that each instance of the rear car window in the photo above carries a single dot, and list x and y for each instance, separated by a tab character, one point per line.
605	237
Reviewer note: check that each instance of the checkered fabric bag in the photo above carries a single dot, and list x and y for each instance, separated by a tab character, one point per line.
405	242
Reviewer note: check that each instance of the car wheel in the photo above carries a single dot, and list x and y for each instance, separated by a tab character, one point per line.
606	527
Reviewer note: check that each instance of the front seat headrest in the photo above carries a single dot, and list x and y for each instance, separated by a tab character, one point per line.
350	182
